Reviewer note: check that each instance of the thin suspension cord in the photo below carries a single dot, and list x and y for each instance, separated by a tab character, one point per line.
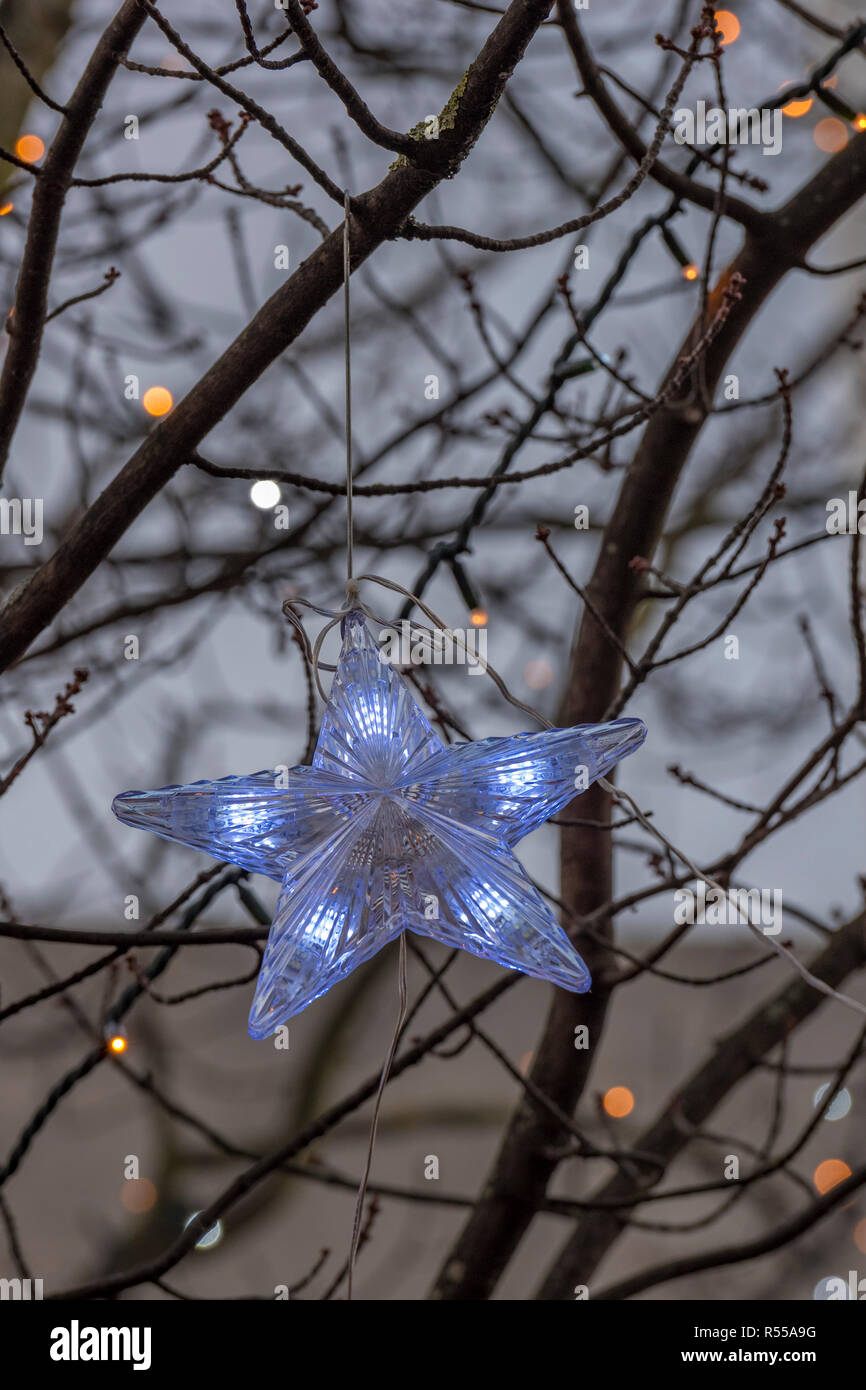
346	275
351	586
383	1080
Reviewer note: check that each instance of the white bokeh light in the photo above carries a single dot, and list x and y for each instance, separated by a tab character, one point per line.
838	1107
265	494
210	1238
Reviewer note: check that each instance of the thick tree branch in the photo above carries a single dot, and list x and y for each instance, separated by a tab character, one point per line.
160	936
523	1168
376	216
775	1239
342	87
732	1059
272	1162
49	194
679	184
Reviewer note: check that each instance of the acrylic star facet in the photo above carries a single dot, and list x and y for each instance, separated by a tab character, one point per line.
390	829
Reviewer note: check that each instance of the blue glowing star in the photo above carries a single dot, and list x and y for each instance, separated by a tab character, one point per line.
389	829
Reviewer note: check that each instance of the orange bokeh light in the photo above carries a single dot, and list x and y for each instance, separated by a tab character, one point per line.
860	121
797	108
830	135
691	272
478	617
830	1173
118	1043
30	147
728	25
157	400
618	1102
7	207
138	1195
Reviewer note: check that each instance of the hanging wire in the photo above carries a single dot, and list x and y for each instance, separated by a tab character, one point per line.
383	1081
347	270
353	600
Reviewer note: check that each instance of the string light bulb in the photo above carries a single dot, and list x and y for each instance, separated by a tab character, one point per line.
115	1039
688	269
469	594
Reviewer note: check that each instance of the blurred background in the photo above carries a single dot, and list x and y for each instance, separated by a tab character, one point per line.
219	686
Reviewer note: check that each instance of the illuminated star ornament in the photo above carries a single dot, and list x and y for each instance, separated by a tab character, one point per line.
391	829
